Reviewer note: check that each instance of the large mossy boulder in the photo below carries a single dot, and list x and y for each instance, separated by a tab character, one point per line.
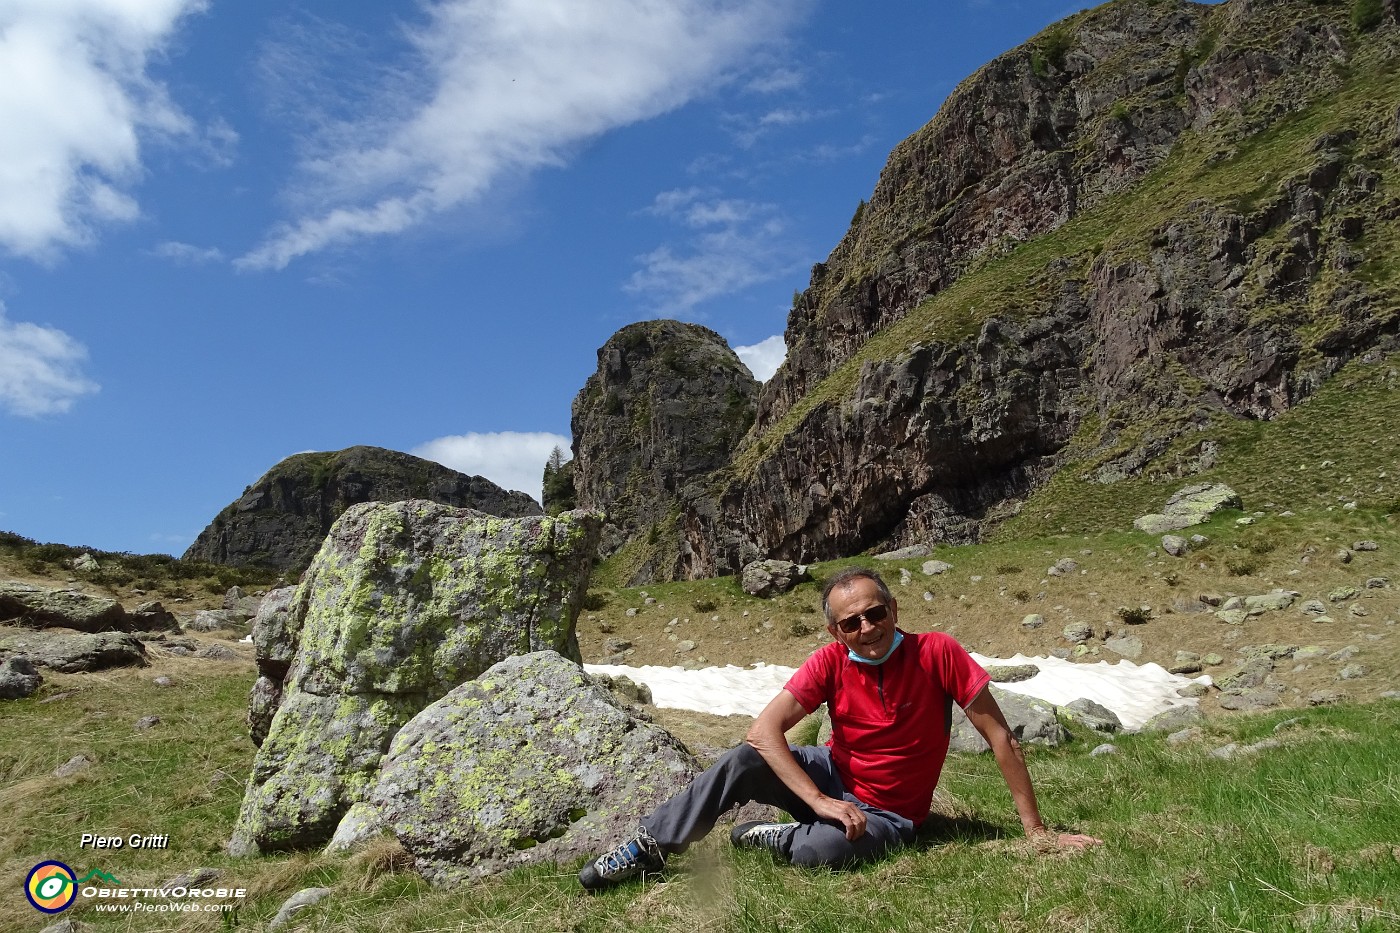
1191	505
532	762
404	602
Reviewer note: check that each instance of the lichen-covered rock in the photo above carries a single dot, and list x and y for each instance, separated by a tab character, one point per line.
765	578
274	645
1094	715
1030	720
77	653
1192	505
1174	720
404	602
281	519
1011	673
532	762
39	607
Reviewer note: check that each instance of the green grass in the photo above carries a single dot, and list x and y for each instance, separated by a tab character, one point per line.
1301	837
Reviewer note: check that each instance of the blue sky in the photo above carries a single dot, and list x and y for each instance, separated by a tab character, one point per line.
234	230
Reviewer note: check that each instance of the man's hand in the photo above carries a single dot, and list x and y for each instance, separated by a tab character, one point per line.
844	812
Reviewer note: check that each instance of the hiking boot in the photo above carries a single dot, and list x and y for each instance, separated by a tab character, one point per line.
638	855
757	834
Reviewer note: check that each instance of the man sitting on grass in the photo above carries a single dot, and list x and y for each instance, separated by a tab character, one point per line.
890	697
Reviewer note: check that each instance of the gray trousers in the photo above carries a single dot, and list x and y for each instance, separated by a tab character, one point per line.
742	775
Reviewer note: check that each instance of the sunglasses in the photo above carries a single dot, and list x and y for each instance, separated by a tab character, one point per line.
874	615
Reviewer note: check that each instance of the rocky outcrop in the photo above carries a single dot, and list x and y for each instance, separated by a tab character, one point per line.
404	602
665	408
38	607
280	520
18	678
1192	505
1019	297
530	763
274	645
74	652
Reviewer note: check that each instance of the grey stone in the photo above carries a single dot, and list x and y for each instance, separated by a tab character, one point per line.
1269	602
1129	646
1094	715
405	601
1325	697
1212	660
217	653
768	578
304	898
1358	611
625	687
1192	691
1033	621
1352	672
1106	749
359	825
1233	603
73	767
1011	673
1175	545
1251	673
1192	505
1310	653
66	925
530	763
18	678
147	722
1249	699
1189	734
1063	567
934	567
1342	593
1232	616
911	552
213	620
163	681
1030	720
1174	719
1342	555
1314	607
1344	654
1078	632
1365	546
1273	652
1377	583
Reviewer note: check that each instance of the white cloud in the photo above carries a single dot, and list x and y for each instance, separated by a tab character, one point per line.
75	102
764	358
40	369
511	86
510	459
738	243
187	253
777	80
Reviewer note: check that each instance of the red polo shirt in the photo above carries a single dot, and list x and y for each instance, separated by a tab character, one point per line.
890	722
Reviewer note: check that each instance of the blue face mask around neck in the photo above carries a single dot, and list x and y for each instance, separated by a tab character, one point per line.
898	637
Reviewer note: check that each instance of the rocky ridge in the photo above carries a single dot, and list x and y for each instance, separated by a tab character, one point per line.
281	520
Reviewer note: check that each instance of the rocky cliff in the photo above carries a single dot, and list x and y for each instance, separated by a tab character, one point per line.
1154	219
281	520
666	407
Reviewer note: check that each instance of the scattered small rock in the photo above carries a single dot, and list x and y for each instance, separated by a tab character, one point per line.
302	899
1079	632
1033	621
163	681
1325	697
216	653
1193	691
73	766
1189	734
147	722
1093	715
1365	546
18	678
1352	672
1175	545
1063	567
935	567
1011	673
906	553
1108	748
1343	555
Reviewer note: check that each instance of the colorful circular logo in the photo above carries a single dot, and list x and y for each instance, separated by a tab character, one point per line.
51	887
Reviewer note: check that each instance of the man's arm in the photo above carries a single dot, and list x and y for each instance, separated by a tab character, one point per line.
985	716
766	736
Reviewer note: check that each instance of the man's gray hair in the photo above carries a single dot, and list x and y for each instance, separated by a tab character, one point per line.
845	578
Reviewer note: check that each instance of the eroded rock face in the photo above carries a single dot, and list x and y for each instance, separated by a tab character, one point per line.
1192	505
1002	336
281	520
275	640
404	602
529	763
667	405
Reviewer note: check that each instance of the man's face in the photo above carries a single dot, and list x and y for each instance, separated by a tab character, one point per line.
871	640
